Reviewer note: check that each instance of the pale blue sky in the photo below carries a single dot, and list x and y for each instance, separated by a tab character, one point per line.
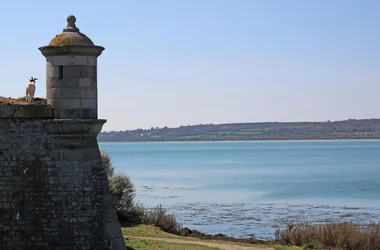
181	62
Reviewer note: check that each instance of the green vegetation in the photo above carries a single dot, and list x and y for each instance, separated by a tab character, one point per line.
349	129
159	217
107	164
144	244
123	192
148	231
346	236
152	231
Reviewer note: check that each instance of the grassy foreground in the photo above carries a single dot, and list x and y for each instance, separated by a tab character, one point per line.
151	231
142	244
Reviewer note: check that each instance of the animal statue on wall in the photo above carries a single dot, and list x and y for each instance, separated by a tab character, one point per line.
30	89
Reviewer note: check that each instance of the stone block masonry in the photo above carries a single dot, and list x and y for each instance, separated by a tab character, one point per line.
54	192
71	86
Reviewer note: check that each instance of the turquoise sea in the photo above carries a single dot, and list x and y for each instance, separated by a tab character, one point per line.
246	189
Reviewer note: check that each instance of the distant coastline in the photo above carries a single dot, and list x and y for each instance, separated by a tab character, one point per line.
352	129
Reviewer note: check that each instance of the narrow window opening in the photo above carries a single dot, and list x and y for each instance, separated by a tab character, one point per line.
60	72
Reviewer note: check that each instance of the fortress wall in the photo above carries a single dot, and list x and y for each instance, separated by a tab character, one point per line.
53	188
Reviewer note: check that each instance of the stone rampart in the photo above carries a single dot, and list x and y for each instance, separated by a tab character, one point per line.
54	192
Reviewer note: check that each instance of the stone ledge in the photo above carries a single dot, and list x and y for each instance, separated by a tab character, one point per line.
12	110
79	50
74	127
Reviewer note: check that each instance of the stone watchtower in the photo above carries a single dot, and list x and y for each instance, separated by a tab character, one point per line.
72	93
54	188
71	74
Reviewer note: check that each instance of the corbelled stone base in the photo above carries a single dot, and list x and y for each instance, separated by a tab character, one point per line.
54	192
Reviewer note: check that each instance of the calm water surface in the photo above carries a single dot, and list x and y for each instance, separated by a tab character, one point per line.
248	189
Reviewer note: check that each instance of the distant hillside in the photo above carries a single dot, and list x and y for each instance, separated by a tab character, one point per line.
349	129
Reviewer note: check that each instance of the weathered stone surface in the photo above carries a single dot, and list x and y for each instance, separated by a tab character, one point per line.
77	60
71	85
51	71
71	50
89	103
25	111
54	191
68	127
62	83
61	60
82	93
92	60
79	113
93	84
50	61
84	82
53	93
68	103
70	71
53	83
69	60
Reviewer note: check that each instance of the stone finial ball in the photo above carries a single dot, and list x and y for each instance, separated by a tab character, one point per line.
71	19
